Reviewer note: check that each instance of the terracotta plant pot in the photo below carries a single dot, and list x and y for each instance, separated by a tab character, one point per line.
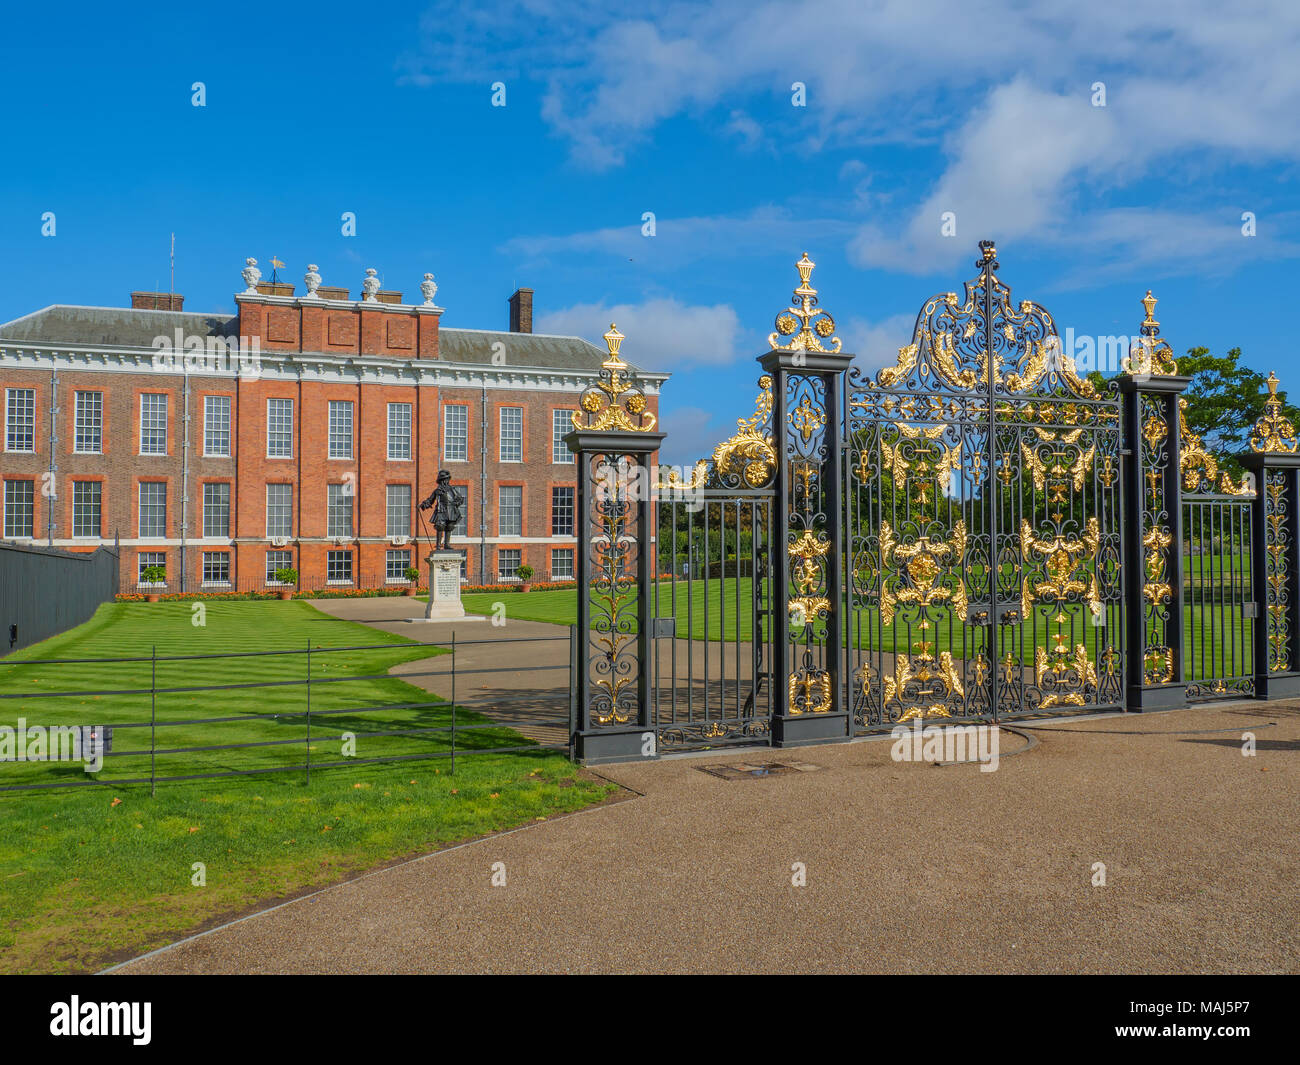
525	586
410	590
285	595
151	597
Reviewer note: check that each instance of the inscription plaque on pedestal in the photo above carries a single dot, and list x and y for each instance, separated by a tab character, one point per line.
444	586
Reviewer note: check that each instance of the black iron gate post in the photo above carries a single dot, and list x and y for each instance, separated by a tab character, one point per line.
806	548
614	443
1275	549
1153	532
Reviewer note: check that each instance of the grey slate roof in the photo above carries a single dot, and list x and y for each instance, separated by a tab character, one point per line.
112	327
131	328
521	349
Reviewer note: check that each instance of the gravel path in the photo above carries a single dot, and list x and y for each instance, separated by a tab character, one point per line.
517	673
910	868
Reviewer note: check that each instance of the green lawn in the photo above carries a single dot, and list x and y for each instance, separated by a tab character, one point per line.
1217	643
1218	567
557	607
1210	650
729	610
91	874
339	705
728	601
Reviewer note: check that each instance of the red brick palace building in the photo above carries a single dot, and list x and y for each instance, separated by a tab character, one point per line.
299	433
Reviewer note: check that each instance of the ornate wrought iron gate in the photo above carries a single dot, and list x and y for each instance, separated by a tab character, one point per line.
711	596
711	606
982	521
977	533
1219	595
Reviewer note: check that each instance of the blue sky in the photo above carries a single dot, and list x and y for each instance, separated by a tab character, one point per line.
687	111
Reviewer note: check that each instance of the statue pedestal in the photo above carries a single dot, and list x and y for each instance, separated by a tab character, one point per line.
444	589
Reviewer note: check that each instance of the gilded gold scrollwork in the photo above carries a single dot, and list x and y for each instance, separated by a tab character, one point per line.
1199	468
808	692
904	674
807	419
804	326
923	562
808	552
1061	559
1274	431
965	346
698	478
750	455
1059	667
1152	354
614	401
1065	466
931	459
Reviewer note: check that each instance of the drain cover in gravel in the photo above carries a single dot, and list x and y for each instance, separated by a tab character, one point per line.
744	770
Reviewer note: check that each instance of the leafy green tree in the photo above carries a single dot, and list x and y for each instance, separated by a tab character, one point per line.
1224	401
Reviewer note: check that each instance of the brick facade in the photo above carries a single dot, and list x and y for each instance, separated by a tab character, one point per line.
311	353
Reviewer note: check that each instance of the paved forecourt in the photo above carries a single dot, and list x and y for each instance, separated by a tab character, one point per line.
910	868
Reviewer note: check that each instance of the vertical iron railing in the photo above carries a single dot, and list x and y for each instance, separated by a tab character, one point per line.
573	687
1275	556
453	701
308	710
1219	606
724	533
153	720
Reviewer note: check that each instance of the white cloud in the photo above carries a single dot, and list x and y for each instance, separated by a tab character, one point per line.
1207	72
876	344
661	333
681	240
1007	178
1160	243
747	129
1002	90
692	435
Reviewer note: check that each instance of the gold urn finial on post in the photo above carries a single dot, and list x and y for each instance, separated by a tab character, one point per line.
1151	354
1149	302
614	401
805	268
1274	431
803	323
613	341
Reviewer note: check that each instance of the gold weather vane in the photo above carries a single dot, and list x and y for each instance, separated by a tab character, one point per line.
613	401
803	322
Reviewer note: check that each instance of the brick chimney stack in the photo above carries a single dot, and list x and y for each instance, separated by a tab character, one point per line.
157	301
521	311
